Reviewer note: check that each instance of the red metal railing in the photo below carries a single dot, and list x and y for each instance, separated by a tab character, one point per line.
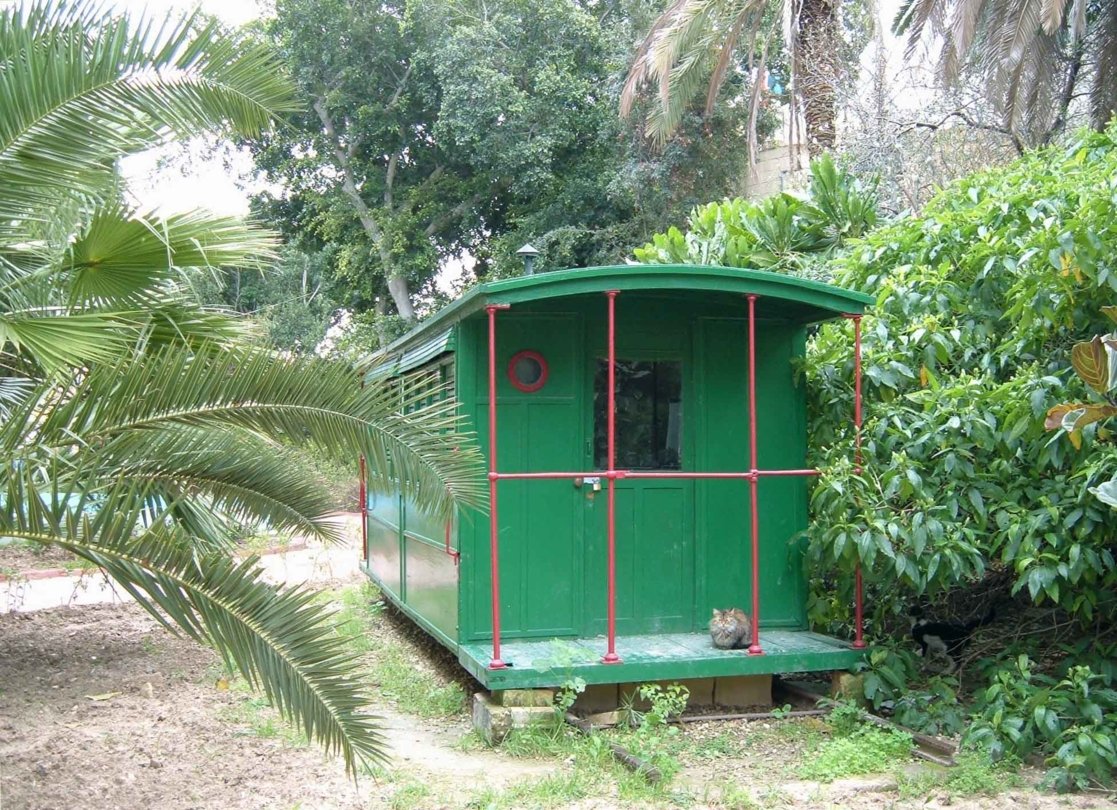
859	619
362	491
752	476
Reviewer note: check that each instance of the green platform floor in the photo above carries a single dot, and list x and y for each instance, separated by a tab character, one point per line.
672	656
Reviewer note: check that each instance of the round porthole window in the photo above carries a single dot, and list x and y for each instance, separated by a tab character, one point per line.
527	371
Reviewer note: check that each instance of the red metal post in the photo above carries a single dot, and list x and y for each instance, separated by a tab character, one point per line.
494	562
611	656
754	481
859	640
362	488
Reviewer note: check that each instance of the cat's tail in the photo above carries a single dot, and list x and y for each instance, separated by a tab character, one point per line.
990	615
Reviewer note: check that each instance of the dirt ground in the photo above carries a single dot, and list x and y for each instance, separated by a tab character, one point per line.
101	708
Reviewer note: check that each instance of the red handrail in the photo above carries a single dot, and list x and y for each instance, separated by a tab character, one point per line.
754	648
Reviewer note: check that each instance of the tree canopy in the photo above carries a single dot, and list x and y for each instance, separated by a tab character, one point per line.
434	132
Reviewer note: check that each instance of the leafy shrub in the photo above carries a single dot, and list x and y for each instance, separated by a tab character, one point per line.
934	710
979	301
782	232
1073	721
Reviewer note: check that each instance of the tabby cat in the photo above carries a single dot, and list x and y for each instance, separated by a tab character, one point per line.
730	629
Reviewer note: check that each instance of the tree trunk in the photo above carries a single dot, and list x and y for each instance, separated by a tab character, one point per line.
397	284
816	46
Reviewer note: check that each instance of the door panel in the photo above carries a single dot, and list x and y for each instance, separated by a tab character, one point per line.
540	520
655	518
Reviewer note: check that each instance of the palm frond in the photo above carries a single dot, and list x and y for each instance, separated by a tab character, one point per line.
281	639
122	259
56	339
298	399
234	472
640	72
81	90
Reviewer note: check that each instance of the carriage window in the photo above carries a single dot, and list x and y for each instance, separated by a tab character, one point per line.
528	371
649	414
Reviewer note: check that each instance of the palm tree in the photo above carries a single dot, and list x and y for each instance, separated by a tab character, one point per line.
694	42
137	428
1034	56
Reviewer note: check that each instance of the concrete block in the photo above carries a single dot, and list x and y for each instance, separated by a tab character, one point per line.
493	721
597	698
525	697
599	719
701	691
741	691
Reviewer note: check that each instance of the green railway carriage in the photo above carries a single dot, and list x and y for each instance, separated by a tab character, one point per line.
683	476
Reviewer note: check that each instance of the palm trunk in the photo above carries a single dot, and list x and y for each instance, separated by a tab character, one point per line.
816	46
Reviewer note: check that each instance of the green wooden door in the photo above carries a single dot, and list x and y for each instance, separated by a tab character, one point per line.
540	520
655	518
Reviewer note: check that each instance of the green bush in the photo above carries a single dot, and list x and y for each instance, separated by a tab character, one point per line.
1073	721
785	232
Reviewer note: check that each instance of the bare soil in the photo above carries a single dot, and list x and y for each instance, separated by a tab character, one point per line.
100	707
19	558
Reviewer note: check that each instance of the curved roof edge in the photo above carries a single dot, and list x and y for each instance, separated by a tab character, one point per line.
823	301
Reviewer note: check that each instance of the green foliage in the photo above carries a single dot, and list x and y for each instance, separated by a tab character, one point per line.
465	130
139	429
865	749
565	698
973	773
666	702
887	673
1073	721
933	710
783	233
978	304
291	302
845	718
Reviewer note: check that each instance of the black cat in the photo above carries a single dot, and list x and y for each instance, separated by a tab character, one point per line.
948	639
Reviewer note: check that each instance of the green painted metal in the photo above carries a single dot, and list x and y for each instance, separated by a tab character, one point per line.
417	353
799	300
682	546
668	656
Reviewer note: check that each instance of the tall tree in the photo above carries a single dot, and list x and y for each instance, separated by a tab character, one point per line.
363	160
137	428
696	42
441	130
1035	56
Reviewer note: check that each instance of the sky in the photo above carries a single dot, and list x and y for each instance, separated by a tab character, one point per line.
161	178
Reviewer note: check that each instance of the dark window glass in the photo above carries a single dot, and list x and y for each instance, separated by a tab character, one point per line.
528	370
649	414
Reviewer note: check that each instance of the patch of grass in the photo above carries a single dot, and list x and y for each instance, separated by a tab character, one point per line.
471	741
729	795
723	745
392	666
409	795
543	742
253	715
973	774
865	750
